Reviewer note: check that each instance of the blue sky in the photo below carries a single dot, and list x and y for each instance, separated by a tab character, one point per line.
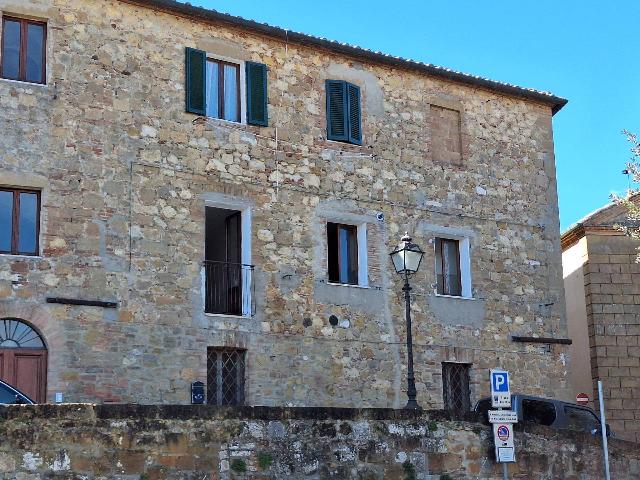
586	51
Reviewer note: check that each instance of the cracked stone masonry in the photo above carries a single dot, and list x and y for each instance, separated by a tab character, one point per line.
243	234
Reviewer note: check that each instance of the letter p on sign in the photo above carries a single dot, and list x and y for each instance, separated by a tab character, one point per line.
500	381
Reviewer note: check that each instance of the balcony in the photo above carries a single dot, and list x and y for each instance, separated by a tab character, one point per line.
228	288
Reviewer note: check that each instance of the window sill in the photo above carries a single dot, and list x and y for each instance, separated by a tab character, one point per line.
225	315
356	146
23	83
348	285
226	122
17	256
453	296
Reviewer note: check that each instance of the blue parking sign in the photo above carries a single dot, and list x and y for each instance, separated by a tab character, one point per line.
500	393
499	381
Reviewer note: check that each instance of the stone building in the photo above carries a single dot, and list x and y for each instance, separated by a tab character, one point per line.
602	288
178	206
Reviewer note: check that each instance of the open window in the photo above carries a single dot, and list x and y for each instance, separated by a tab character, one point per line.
226	89
346	254
228	281
448	267
453	267
223	90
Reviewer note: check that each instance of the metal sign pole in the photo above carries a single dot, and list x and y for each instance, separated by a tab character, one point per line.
603	429
502	420
505	468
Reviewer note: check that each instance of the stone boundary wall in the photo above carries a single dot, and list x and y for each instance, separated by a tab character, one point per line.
144	442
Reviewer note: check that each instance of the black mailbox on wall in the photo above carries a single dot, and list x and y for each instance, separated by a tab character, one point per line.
197	393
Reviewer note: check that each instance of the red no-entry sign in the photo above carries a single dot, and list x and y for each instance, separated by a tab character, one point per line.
582	398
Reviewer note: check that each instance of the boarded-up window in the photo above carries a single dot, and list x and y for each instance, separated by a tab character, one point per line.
448	267
446	142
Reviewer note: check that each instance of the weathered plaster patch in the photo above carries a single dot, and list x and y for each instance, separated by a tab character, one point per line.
373	98
457	311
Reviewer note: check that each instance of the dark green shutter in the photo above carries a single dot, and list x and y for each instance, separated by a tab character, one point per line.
337	128
257	110
195	81
353	100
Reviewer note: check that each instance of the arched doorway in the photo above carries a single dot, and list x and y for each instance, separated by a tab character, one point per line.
23	358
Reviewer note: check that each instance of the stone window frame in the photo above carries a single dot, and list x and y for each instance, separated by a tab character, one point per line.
243	205
363	257
16	13
242	85
464	245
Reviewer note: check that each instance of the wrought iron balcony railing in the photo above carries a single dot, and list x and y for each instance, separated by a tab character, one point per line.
228	288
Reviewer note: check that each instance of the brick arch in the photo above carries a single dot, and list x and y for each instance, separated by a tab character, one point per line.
39	318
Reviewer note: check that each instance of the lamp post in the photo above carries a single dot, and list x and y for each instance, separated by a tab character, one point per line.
406	260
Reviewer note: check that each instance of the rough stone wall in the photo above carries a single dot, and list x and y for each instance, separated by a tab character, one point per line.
162	442
612	289
126	173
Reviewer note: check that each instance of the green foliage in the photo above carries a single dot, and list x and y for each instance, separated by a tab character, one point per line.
631	227
409	470
265	459
144	476
432	426
445	476
238	465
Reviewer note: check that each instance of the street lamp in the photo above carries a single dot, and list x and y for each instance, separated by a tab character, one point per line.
406	260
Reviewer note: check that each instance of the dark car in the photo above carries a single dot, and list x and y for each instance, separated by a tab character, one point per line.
11	395
551	412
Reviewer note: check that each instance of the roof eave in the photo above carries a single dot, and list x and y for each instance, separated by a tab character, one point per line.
211	16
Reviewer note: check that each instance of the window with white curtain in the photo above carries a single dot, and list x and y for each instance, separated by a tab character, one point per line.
223	90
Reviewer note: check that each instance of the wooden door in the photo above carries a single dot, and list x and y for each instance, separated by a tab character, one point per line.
25	369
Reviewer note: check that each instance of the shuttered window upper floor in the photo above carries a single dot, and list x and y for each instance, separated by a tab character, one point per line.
214	87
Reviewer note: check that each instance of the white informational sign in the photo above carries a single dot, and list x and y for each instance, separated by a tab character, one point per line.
503	416
506	454
503	439
500	393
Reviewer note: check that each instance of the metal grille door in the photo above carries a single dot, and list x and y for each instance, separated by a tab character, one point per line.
225	376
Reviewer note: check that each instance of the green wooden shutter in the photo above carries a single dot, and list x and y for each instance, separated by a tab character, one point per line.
353	102
257	110
195	81
337	128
